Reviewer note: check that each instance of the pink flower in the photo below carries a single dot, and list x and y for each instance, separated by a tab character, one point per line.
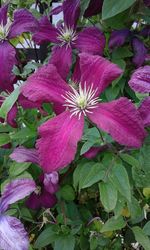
59	136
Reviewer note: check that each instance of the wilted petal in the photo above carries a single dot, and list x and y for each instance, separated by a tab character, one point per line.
51	182
93	151
118	38
61	57
71	11
95	7
8	60
121	120
45	85
47	200
58	143
144	110
15	191
97	71
91	40
139	52
140	80
46	32
147	3
22	154
3	14
12	234
11	116
24	21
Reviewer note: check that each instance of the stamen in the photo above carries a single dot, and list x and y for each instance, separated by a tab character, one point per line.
81	101
67	36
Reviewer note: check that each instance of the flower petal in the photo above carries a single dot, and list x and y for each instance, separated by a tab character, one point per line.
95	7
51	182
12	234
61	57
97	71
144	110
24	21
46	32
11	116
71	10
140	52
33	201
22	154
91	40
140	80
15	191
118	38
58	143
121	120
93	151
8	57
45	85
3	14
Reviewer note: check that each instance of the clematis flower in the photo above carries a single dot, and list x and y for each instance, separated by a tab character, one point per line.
119	37
12	232
59	136
140	82
47	184
66	37
23	22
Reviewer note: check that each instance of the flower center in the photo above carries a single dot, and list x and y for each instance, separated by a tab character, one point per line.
38	190
67	36
4	30
81	101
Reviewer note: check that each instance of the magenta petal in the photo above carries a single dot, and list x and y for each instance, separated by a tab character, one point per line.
140	52
22	154
46	32
140	80
58	143
11	116
24	21
12	234
95	7
71	10
27	104
47	200
121	120
97	71
51	182
61	57
93	151
45	85
8	60
144	110
3	14
16	190
56	10
118	38
76	76
91	40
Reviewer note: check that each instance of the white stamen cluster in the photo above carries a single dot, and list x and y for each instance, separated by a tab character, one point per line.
81	101
4	30
67	36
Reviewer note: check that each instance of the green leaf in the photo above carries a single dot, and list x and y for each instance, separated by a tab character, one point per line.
4	139
67	192
9	102
146	228
130	160
83	6
113	7
108	195
122	52
120	180
89	174
64	243
135	209
45	238
16	168
113	224
141	237
86	146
